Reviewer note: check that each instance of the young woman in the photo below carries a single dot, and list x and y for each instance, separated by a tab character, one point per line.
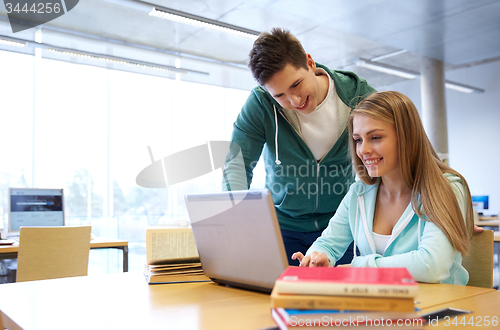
408	209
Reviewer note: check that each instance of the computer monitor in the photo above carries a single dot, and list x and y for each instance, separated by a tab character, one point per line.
35	207
480	203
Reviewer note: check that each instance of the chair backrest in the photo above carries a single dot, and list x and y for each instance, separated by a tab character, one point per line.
476	216
53	252
479	262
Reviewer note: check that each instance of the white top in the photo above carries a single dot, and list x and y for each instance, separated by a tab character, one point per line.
319	129
380	242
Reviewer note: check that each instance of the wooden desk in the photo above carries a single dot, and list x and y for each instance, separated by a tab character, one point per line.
487	223
10	251
430	295
484	307
125	301
487	217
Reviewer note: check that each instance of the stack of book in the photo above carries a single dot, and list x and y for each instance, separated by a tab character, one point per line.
172	256
328	297
175	270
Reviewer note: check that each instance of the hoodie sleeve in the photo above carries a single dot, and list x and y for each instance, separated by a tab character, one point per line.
336	238
434	259
248	137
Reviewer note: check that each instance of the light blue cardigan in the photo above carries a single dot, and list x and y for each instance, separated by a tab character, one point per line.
418	245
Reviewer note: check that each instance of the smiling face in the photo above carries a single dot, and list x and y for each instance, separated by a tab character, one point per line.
297	89
376	145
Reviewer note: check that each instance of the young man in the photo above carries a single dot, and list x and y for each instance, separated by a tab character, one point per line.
296	118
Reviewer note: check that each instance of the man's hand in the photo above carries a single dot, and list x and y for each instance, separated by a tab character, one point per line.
314	259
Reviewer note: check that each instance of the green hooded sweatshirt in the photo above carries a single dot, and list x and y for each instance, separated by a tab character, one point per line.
306	193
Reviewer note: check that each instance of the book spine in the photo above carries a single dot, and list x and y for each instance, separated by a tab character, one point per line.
344	289
342	303
278	320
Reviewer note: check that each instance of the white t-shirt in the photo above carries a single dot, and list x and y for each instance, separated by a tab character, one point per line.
319	129
381	242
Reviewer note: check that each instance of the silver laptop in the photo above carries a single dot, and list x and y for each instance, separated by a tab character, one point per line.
238	238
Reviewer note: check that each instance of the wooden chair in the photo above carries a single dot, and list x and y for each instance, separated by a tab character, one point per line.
479	262
53	252
476	216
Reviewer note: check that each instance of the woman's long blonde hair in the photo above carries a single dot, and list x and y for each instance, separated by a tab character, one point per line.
432	197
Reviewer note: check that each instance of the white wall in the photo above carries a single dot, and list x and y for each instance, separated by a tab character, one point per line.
473	127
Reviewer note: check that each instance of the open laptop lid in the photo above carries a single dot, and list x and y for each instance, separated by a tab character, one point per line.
238	238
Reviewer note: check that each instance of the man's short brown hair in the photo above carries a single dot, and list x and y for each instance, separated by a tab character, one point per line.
271	52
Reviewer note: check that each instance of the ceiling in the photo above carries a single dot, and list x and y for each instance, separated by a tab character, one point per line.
461	33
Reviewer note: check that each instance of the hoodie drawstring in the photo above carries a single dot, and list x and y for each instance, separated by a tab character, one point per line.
355	231
419	221
277	161
360	207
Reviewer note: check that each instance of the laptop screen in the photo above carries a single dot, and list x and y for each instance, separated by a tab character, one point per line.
35	207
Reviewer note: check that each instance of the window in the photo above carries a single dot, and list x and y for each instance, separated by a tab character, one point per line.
86	129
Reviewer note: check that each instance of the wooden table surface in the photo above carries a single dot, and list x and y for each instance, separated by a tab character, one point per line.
487	217
10	251
485	313
487	223
98	242
430	295
126	301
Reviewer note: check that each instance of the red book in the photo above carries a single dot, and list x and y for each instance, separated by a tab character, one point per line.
347	281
